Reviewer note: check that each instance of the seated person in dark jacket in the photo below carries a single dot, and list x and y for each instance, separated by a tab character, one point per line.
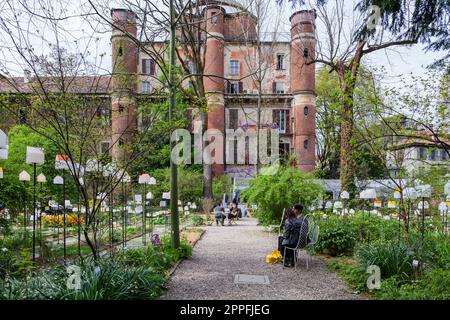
234	213
290	238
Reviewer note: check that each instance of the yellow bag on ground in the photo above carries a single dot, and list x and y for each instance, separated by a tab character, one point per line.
274	257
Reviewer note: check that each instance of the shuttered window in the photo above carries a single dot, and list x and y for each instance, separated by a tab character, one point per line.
148	66
233	118
280	61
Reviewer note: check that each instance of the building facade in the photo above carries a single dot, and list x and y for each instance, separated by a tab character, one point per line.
232	59
416	153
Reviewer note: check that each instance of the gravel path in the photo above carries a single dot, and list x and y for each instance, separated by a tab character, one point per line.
226	251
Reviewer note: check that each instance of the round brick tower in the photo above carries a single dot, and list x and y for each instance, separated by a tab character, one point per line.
124	82
303	50
214	86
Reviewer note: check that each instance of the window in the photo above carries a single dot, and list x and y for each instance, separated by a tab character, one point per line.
103	111
234	87
305	144
22	116
278	87
146	87
433	154
284	152
422	153
121	108
234	67
148	66
305	53
306	111
444	155
280	61
233	121
214	16
280	117
104	147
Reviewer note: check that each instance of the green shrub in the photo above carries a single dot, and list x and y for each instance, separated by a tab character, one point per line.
353	274
105	279
391	257
273	193
148	257
5	226
336	237
434	285
184	251
221	185
435	250
196	220
370	228
159	220
7	262
15	257
19	240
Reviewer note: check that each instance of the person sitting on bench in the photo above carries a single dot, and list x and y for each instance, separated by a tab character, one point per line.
219	214
235	213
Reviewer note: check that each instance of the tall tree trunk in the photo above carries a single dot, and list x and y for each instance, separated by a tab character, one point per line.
207	168
348	74
175	223
346	158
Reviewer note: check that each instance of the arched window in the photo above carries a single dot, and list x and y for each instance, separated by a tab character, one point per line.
305	52
214	17
306	111
305	144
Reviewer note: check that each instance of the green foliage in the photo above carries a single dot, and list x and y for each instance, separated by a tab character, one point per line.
434	250
106	279
273	193
15	255
221	185
184	251
392	257
149	257
329	108
382	243
12	189
196	220
352	273
336	237
158	256
434	285
190	182
159	220
153	145
370	227
132	274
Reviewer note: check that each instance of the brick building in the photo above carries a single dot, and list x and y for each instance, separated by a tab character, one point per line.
229	32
